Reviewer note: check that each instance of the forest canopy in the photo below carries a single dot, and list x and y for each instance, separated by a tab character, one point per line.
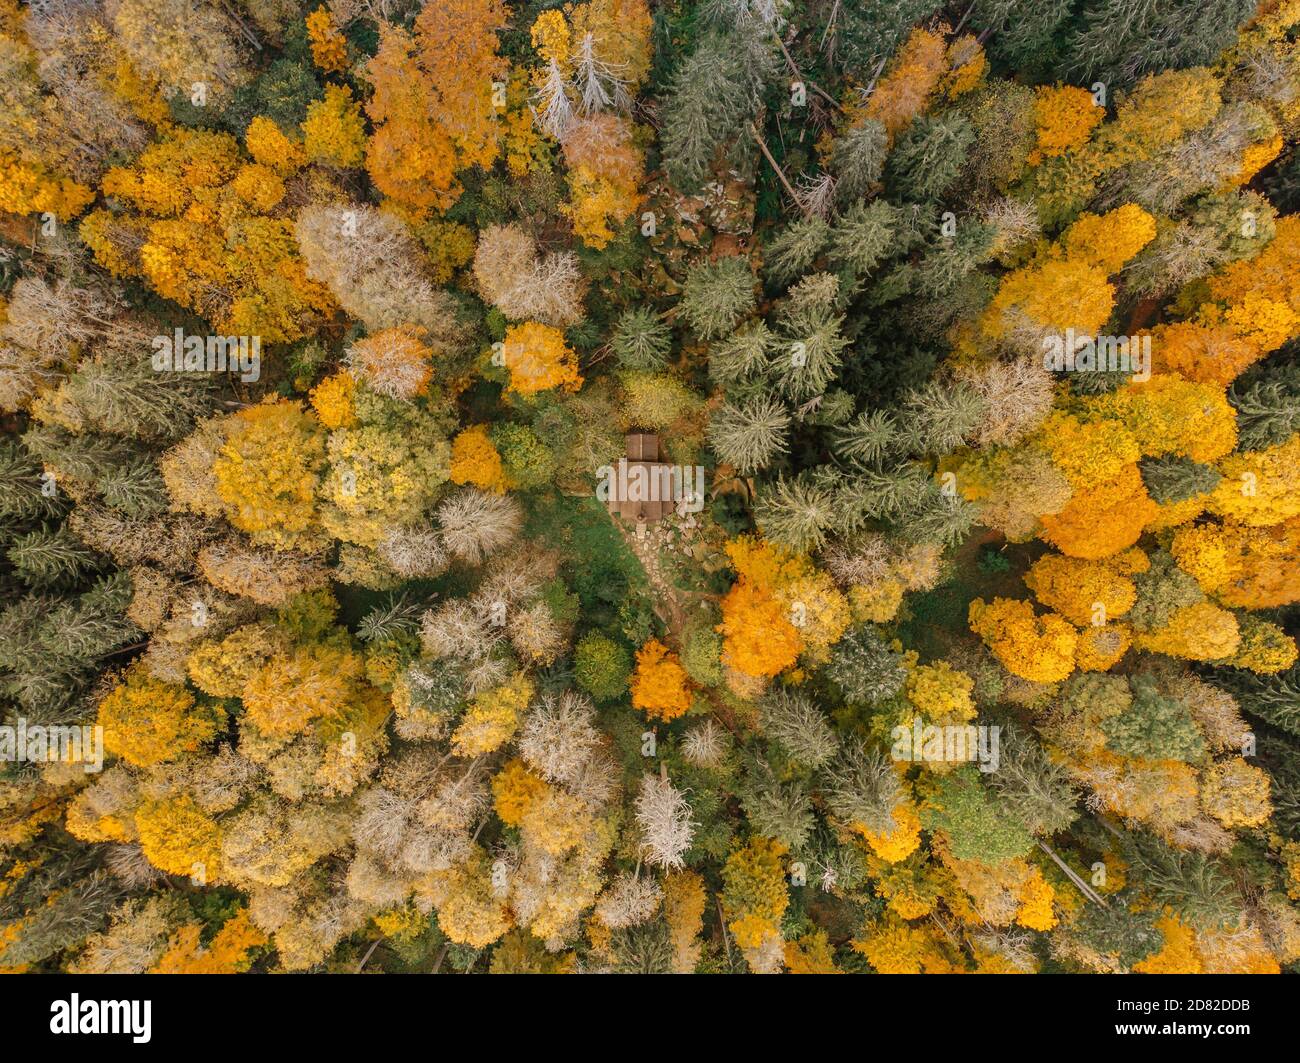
964	340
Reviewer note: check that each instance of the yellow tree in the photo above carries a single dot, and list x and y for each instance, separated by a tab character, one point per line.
329	48
433	102
1065	117
209	231
1038	648
333	131
1101	521
266	473
538	359
1260	487
660	686
1084	592
148	722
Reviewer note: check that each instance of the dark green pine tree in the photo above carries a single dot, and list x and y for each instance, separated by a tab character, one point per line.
1174	479
776	809
937	417
85	456
643	949
124	396
866	235
860	36
1117	930
641	340
800	726
750	434
1268	403
797	513
51	557
1194	885
793	250
868	494
1275	699
1281	181
928	157
710	100
857	161
64	896
867	439
1037	789
25	494
282	92
51	648
717	295
946	264
1118	41
939	517
1280	756
1024	36
861	786
136	489
864	667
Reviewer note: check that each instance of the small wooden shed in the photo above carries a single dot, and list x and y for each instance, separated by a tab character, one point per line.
642	490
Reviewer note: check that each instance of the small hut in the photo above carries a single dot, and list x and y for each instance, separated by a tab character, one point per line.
642	490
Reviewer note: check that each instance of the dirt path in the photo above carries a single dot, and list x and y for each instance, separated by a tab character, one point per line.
646	547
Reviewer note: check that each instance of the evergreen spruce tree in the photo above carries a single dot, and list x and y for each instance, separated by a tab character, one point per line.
946	265
865	669
1121	929
64	897
800	726
1117	41
749	435
125	396
51	557
641	340
796	513
861	786
865	236
858	160
137	489
867	439
808	359
928	157
707	106
738	362
1268	406
776	809
937	517
717	295
25	495
793	251
1191	883
1024	35
939	417
1037	789
1274	699
1175	478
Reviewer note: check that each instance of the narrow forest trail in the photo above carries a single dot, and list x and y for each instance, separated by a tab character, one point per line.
666	598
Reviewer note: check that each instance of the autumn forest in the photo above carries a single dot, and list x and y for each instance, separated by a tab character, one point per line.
649	486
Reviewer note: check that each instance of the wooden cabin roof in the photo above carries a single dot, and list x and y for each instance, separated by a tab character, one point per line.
642	446
643	463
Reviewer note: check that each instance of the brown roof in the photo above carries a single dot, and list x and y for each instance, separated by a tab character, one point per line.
647	479
642	446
